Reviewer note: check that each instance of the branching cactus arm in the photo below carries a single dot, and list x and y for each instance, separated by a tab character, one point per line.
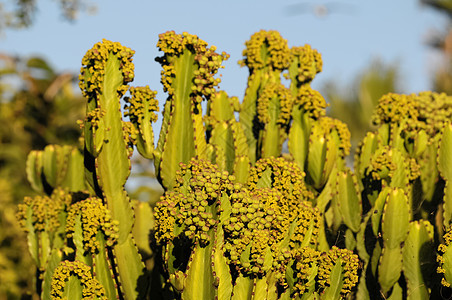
309	106
419	259
188	73
91	229
106	71
274	107
43	218
56	167
225	136
444	167
141	109
266	56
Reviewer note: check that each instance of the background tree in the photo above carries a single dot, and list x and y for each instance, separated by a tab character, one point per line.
21	13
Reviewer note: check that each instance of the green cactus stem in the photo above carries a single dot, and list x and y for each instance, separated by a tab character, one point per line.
43	218
188	73
274	108
106	71
309	106
419	259
444	163
306	63
308	103
329	143
395	228
56	166
92	231
225	136
141	109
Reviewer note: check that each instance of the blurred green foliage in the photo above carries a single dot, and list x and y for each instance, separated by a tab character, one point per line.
441	40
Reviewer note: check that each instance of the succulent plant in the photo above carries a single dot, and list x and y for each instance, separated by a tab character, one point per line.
242	216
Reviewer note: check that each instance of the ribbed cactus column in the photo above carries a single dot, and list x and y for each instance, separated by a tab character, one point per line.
92	231
266	56
227	146
106	70
274	107
309	104
188	73
56	166
141	109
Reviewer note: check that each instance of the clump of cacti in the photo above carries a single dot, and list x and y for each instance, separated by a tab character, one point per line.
241	216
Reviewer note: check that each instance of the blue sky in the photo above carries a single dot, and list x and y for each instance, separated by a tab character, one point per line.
354	32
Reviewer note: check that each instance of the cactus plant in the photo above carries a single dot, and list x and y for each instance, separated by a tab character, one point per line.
241	216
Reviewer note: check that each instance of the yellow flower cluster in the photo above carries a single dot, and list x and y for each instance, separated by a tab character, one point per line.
141	103
93	70
94	116
206	61
261	241
248	230
43	210
420	117
94	217
414	169
393	108
284	100
306	217
349	262
285	176
305	259
193	203
434	110
165	213
381	164
309	63
261	217
130	135
311	101
329	125
92	289
266	49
